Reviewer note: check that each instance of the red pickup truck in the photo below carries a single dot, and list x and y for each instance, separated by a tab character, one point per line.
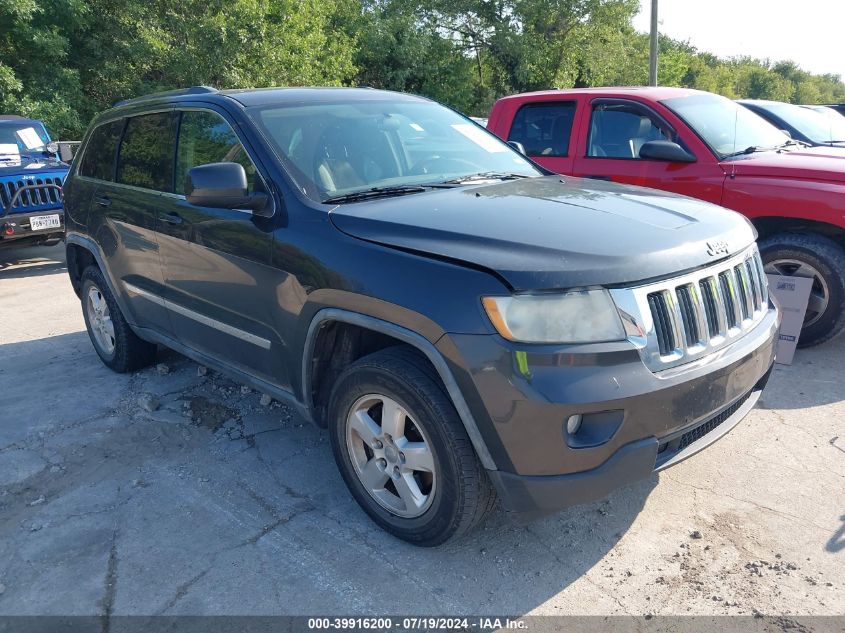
705	146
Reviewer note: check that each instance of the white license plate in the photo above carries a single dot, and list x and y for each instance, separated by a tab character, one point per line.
41	222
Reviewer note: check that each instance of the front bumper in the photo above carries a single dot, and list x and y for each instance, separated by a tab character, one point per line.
17	227
526	394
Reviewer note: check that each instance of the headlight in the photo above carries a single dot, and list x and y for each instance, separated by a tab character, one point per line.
581	316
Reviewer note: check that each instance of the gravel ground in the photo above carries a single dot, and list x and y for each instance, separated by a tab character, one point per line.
177	491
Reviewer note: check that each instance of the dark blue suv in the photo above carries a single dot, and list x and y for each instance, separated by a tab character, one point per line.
31	177
466	325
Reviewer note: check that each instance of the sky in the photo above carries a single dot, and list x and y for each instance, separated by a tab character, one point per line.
808	32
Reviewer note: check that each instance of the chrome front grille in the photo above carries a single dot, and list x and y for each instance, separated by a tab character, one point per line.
679	320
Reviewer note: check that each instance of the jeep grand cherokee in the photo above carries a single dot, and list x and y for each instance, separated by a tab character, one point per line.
466	325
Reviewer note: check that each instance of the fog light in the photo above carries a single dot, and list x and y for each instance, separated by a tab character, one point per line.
573	424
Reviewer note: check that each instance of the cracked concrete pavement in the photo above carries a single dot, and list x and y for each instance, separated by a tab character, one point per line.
211	503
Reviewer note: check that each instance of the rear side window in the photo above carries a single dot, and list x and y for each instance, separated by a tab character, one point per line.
544	128
206	137
98	159
146	153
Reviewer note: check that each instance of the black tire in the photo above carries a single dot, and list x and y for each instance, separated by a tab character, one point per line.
463	495
130	352
828	258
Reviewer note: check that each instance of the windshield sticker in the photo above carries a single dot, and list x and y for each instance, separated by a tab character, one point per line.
480	137
30	137
9	149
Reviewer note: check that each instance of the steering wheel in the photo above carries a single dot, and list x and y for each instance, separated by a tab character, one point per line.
441	164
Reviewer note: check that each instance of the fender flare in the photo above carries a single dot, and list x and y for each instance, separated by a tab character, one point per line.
406	336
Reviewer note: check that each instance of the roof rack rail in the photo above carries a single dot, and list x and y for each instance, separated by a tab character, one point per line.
193	90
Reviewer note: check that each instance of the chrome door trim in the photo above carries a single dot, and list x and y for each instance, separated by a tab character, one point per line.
199	318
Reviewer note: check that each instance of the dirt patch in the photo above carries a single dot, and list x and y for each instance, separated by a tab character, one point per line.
209	414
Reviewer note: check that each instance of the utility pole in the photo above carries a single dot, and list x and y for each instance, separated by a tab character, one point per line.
652	52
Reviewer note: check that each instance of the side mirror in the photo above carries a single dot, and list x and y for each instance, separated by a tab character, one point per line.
666	150
519	147
224	186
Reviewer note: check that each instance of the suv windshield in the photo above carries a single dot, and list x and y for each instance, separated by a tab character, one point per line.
814	125
22	139
727	127
340	148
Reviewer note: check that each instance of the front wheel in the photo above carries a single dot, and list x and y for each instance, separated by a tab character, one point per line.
822	260
403	451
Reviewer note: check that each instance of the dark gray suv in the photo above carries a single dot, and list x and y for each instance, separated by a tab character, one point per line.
466	325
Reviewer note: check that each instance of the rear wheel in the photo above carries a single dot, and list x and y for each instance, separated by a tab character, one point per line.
822	260
403	451
116	344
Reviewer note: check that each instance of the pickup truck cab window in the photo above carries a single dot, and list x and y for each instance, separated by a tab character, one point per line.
619	130
544	128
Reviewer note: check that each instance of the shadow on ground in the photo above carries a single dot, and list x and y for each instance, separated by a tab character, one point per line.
31	261
207	502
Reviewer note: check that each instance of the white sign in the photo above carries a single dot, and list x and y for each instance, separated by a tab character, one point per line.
480	137
792	295
30	138
9	149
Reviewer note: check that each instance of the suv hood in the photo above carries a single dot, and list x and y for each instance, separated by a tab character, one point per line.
11	164
810	163
553	232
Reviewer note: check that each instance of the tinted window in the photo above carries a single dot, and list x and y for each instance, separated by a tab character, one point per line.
146	153
620	130
544	128
205	137
98	159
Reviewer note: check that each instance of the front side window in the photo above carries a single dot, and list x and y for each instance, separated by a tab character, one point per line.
544	128
727	127
98	158
146	152
205	137
347	146
619	130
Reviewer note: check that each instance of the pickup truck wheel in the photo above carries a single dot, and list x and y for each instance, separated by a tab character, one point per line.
117	345
822	260
403	451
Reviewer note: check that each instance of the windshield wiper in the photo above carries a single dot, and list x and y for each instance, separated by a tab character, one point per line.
748	150
484	175
374	192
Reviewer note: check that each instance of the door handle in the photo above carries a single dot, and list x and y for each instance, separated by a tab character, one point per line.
171	218
103	201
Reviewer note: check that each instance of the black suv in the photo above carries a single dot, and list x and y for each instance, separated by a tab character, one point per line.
466	325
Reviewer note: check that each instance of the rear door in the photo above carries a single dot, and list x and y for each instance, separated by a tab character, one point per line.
217	261
609	150
544	128
124	208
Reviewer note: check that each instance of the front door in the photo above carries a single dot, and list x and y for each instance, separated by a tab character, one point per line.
217	261
610	150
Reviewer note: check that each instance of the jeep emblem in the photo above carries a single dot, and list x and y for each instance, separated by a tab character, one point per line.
719	247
